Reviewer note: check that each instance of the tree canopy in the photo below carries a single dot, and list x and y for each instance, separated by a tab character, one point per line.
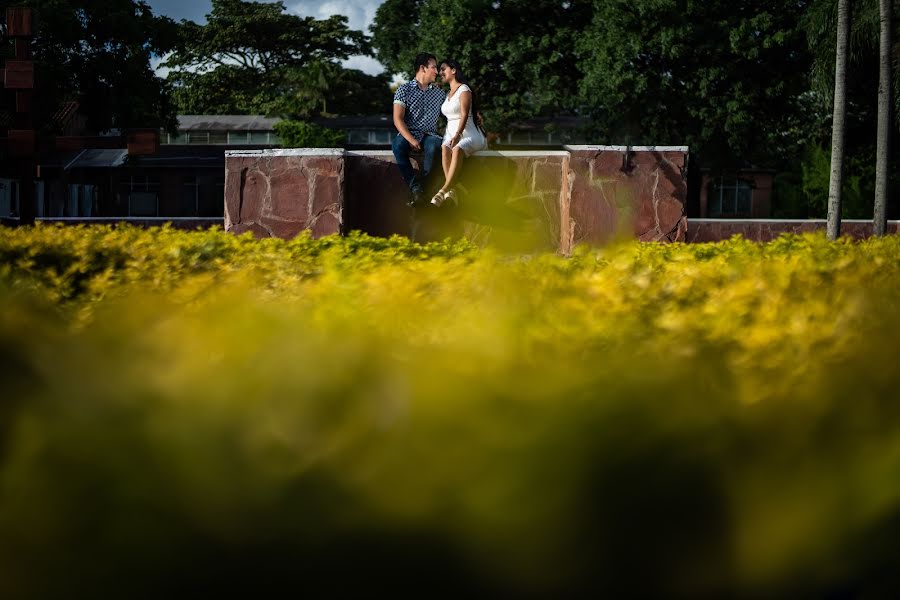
253	57
727	77
97	52
519	54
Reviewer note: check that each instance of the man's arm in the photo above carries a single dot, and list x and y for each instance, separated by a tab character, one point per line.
402	129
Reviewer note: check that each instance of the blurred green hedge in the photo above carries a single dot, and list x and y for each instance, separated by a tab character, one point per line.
199	415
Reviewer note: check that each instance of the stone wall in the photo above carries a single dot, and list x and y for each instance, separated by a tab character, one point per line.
517	200
279	193
637	192
764	230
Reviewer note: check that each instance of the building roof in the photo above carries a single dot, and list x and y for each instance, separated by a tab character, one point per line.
226	122
91	158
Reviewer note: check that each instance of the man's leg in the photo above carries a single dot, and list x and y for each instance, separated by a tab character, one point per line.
401	154
431	147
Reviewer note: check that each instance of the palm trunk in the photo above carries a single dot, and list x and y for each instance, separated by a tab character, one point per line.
837	126
883	144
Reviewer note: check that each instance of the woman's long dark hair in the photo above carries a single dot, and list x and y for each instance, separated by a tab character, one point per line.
461	77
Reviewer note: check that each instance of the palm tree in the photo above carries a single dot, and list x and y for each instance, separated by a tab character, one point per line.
837	121
883	143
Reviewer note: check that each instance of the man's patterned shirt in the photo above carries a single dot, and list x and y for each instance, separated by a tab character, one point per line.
423	107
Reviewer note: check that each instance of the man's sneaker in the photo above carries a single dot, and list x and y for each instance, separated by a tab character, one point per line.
416	197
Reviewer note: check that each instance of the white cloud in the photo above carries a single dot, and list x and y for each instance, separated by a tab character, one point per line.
155	61
366	64
360	15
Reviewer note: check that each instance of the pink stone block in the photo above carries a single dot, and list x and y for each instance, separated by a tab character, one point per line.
617	193
282	229
254	186
547	176
275	195
258	230
325	223
233	178
327	194
289	191
328	166
702	230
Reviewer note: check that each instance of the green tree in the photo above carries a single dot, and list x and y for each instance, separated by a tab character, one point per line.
726	77
519	54
863	77
253	57
357	93
97	52
301	134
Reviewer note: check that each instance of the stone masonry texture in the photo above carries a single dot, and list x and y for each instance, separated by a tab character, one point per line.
515	200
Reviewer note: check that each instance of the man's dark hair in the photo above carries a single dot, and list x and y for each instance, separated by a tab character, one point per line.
422	59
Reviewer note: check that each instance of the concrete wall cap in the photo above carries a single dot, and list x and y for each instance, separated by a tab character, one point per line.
624	148
494	153
272	152
777	221
370	153
512	153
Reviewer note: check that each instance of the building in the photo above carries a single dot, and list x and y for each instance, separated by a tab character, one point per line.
744	194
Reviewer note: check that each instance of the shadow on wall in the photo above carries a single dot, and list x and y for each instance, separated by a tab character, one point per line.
504	203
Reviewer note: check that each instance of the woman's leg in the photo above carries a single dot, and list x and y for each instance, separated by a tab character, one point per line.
445	160
456	161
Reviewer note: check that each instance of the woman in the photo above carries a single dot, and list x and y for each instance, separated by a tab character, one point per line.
463	135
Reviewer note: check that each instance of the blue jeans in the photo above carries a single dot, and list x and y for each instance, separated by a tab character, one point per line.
431	148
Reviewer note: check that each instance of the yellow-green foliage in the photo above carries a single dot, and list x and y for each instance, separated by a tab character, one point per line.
199	414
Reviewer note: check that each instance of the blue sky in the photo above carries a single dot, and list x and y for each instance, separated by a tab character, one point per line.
358	12
193	10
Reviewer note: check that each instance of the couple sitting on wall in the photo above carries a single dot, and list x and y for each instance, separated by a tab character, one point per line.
417	106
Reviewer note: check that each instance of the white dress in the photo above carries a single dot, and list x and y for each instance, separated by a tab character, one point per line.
472	139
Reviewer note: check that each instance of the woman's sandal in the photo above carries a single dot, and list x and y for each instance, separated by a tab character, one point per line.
450	196
439	198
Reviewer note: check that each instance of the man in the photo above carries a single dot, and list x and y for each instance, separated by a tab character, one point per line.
417	106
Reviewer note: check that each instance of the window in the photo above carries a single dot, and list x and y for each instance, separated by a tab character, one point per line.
218	137
141	192
381	137
217	206
729	197
9	198
81	200
190	197
142	204
259	137
238	137
179	138
357	136
210	195
198	137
